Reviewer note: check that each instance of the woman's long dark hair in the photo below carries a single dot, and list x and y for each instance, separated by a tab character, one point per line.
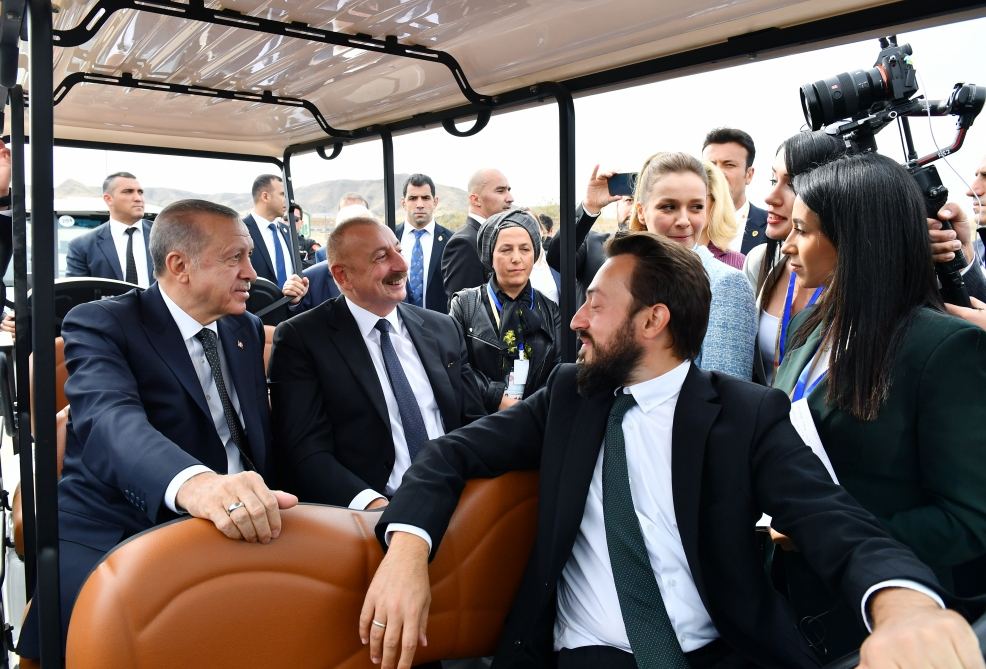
802	153
873	213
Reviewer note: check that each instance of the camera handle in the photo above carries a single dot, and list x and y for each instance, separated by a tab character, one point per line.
953	288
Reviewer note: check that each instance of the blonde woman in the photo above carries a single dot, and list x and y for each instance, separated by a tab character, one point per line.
721	225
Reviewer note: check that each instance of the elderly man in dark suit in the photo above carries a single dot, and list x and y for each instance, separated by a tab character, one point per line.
489	193
361	382
652	475
169	402
119	248
422	244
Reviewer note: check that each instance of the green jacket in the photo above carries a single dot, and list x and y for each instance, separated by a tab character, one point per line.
920	467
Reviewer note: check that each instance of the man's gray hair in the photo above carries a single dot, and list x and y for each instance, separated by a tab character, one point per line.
176	229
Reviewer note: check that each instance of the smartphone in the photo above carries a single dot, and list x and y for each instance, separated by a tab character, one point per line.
622	183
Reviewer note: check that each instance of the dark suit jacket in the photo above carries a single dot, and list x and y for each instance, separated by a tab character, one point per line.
138	418
461	267
262	263
321	287
590	252
756	229
435	298
734	455
94	254
328	409
920	467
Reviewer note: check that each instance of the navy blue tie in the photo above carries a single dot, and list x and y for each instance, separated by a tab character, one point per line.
415	433
416	277
282	273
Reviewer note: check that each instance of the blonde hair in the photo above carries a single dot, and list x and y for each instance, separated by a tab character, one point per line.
657	166
720	222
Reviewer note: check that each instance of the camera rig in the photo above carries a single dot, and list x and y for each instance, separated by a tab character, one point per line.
871	100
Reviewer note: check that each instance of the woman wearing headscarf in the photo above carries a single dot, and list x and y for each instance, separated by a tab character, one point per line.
511	329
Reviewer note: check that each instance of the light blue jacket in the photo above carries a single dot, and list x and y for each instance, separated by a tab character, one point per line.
730	338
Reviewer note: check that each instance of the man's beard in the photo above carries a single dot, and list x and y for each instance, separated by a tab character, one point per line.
611	366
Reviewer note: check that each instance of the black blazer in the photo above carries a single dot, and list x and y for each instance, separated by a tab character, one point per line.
461	267
590	252
735	455
756	229
139	417
262	263
94	254
436	298
329	412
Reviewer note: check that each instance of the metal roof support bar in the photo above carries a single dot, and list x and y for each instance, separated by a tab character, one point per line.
196	11
127	80
22	344
43	320
389	187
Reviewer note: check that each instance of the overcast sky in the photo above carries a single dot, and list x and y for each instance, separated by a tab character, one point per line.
617	129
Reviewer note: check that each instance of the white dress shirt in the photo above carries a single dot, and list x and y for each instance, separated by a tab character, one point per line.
417	378
407	248
268	238
118	231
189	327
743	213
543	280
588	606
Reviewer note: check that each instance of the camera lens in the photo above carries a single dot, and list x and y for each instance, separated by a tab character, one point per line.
841	96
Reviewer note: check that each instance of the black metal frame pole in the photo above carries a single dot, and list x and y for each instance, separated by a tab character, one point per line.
43	319
293	232
566	214
22	337
389	187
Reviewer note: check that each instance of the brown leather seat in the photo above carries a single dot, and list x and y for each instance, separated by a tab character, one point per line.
16	510
184	595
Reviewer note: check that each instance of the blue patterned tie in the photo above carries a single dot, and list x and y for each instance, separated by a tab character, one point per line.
416	279
415	433
651	635
282	273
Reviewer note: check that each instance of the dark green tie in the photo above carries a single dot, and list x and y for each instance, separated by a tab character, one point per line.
649	629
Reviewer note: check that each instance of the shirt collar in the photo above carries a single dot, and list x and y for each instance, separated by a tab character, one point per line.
366	321
119	229
744	212
654	392
262	222
188	326
409	229
477	217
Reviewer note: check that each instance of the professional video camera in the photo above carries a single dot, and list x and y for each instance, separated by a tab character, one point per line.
860	104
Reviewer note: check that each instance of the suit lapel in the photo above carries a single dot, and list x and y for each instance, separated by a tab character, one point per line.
437	248
694	414
163	333
259	244
108	249
238	350
575	475
434	364
352	348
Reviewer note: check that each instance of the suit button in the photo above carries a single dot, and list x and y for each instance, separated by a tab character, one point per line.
518	643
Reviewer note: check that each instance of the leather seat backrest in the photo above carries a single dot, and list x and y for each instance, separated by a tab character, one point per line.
16	507
268	343
184	595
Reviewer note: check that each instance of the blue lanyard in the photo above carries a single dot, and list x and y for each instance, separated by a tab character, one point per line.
786	315
801	388
496	301
499	310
